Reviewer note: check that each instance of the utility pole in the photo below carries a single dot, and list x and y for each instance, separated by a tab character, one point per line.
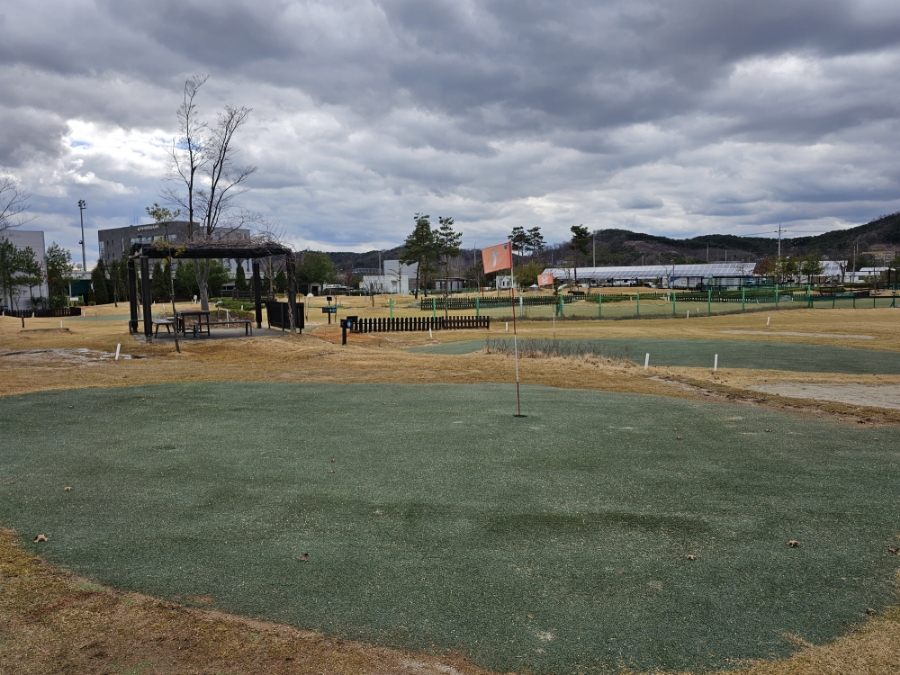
81	207
779	241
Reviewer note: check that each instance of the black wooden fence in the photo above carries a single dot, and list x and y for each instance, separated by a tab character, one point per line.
420	323
42	313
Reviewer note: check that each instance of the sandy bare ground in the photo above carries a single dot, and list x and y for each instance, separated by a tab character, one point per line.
53	622
878	396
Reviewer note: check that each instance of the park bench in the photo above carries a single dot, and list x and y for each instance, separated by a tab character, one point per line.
159	323
247	323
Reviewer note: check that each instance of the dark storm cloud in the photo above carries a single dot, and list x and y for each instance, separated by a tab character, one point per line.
28	134
679	115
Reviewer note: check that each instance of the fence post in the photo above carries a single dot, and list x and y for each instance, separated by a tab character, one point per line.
776	296
674	302
562	306
637	306
433	307
600	304
854	301
391	305
743	297
477	306
709	301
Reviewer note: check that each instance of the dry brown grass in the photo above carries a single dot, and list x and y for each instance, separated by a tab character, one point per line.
51	621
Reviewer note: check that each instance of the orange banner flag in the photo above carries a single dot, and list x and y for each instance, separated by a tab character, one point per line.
545	279
496	258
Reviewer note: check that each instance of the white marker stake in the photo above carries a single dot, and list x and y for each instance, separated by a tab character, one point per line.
430	336
60	324
715	363
646	361
118	347
689	314
507	326
228	315
768	319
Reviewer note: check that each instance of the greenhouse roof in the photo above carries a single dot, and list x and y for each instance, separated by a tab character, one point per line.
698	271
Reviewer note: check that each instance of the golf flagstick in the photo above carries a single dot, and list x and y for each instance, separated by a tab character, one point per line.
495	259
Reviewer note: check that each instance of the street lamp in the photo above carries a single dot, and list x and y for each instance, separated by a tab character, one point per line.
81	207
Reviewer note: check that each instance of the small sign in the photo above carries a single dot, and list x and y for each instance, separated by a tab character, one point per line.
329	310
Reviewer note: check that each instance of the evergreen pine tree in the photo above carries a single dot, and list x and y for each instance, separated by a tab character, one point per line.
98	281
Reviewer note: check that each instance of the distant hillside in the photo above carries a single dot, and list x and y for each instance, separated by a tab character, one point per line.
623	247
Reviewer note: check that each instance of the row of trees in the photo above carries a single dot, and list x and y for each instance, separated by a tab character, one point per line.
20	271
788	267
429	248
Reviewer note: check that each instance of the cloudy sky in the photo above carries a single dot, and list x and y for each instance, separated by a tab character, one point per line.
675	117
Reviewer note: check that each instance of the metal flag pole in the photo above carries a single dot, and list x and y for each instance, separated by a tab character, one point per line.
512	303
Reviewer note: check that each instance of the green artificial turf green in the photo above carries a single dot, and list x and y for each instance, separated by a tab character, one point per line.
552	543
700	353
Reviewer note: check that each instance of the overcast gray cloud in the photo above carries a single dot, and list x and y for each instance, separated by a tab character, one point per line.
677	117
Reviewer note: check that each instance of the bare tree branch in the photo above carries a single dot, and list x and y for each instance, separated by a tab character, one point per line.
13	202
202	163
187	153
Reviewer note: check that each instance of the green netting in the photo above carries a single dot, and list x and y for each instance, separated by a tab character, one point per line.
554	543
655	305
700	353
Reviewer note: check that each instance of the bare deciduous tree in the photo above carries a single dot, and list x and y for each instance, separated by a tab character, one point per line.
13	202
209	178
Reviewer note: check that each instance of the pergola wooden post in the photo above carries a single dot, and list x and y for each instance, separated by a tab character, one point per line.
132	297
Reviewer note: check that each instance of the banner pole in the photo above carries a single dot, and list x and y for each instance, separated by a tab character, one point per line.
512	304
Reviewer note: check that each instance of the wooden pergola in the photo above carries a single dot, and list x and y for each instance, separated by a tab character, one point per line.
141	254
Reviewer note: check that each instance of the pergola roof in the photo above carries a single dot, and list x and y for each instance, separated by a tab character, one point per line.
200	252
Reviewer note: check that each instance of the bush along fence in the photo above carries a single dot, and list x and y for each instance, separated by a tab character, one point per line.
439	303
358	325
748	300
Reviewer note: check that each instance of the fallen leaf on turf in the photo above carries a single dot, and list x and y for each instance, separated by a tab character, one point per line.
692	557
893	550
303	558
678	438
870	611
793	543
68	489
40	538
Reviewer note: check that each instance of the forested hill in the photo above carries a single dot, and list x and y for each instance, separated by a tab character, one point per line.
623	247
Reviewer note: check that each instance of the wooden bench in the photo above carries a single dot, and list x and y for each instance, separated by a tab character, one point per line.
158	323
247	323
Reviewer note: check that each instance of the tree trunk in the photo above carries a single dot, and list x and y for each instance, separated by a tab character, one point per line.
201	273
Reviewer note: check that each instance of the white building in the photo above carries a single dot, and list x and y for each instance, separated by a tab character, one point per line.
394	278
35	241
